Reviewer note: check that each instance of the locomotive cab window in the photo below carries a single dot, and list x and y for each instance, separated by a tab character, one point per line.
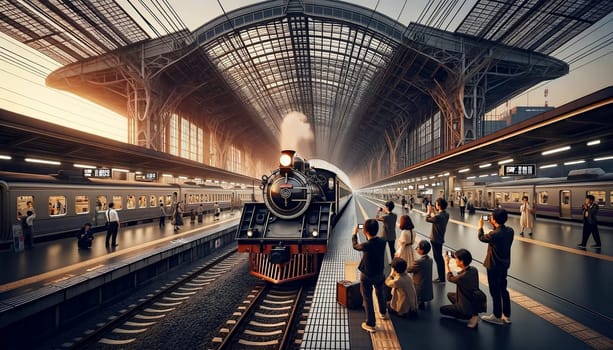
81	204
24	203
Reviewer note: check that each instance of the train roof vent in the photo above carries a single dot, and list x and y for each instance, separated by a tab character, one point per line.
589	173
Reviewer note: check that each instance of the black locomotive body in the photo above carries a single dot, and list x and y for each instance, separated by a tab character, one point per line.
287	234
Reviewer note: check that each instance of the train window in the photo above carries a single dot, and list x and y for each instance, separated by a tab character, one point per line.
515	196
142	201
611	198
101	203
543	197
24	203
117	202
81	204
152	201
599	197
57	205
506	197
131	202
168	201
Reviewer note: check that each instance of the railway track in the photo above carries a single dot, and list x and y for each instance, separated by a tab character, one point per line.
124	328
270	317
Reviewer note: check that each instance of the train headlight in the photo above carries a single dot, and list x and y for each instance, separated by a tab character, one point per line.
286	160
249	233
315	233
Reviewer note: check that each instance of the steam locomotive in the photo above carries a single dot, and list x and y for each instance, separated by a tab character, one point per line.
287	234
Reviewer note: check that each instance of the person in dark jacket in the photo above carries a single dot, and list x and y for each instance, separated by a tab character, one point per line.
371	271
389	218
497	262
590	222
467	284
439	220
422	274
85	236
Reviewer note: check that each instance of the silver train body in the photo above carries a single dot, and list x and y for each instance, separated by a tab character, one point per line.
559	198
286	234
62	205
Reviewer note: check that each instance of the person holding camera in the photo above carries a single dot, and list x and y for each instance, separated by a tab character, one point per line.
439	222
371	271
422	274
389	218
463	305
497	262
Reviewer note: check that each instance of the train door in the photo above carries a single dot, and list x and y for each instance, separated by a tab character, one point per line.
565	204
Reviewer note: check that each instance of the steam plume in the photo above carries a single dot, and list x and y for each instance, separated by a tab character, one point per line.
296	133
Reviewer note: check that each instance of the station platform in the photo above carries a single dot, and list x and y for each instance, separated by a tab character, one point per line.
54	261
560	295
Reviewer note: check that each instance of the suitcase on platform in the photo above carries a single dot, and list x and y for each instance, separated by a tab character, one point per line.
348	294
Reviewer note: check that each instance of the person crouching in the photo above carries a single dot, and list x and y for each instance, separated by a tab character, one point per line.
404	298
85	237
467	284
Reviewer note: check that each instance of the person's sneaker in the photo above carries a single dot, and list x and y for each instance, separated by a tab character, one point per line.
506	319
581	246
596	246
369	329
473	322
492	319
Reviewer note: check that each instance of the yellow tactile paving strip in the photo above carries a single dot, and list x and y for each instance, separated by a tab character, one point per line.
567	324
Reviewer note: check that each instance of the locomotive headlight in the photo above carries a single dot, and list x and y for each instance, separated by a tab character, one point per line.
285	160
249	233
315	233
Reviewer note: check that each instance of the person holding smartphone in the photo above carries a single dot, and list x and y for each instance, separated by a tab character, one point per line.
497	262
389	218
439	222
371	271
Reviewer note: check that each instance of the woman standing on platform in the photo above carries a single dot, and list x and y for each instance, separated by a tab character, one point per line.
404	245
178	216
526	220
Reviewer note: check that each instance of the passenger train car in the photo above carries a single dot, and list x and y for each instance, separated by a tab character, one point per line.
552	197
64	203
286	235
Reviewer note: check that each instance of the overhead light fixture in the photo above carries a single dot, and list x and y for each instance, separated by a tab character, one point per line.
486	175
575	162
556	150
42	161
603	158
487	165
84	166
166	175
493	174
183	177
446	174
463	170
470	177
5	157
593	143
506	161
548	166
119	170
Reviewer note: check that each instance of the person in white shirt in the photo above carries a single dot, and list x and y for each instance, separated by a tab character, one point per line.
112	219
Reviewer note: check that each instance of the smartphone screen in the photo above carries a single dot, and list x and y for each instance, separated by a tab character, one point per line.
486	218
360	226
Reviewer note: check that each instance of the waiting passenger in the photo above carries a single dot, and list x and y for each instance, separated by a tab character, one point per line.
404	244
27	225
162	215
404	298
85	236
217	211
387	216
112	218
192	216
422	274
200	213
590	222
464	303
526	219
177	216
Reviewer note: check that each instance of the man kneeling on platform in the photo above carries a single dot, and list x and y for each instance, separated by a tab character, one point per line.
465	303
85	236
404	298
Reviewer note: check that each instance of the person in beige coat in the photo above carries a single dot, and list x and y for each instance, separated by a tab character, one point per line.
404	297
526	220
